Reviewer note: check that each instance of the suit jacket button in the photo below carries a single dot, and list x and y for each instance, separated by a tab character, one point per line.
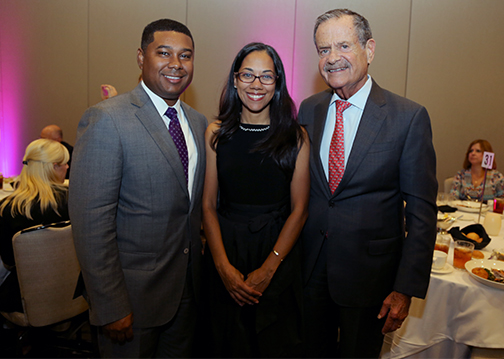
331	204
186	250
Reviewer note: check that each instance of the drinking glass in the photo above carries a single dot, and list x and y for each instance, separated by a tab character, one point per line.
462	253
443	242
498	205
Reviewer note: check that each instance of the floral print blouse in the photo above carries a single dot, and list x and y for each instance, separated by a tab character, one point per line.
463	188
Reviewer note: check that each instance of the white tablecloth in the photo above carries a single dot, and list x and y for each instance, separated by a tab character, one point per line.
458	312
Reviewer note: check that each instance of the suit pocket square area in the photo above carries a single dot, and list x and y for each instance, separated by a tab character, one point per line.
383	246
138	260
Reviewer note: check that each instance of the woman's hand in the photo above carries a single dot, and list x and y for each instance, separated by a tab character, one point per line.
237	288
259	279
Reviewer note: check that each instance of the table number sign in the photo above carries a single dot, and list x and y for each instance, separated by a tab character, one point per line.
487	163
488	158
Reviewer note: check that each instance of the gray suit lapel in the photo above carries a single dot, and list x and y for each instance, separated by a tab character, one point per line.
370	124
198	130
154	124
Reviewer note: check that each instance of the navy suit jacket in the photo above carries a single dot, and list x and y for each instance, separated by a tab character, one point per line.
392	160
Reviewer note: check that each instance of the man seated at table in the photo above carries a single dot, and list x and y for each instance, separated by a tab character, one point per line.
53	132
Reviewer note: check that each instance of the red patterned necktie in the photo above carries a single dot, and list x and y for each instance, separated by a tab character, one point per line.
337	149
178	137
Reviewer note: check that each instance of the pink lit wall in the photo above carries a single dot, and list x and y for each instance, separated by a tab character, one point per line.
11	93
43	65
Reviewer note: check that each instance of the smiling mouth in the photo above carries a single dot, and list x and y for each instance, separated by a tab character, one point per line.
173	78
255	97
339	69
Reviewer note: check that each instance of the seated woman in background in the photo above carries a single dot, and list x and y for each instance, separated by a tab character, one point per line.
468	183
39	198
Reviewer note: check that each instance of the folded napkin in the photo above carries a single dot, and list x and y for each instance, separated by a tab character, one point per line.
446	209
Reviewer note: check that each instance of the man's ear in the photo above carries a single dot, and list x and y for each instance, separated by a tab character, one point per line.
370	49
140	58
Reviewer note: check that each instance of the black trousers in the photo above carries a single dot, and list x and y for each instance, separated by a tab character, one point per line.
358	329
171	340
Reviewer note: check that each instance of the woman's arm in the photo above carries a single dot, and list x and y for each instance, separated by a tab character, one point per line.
232	278
457	185
499	184
300	193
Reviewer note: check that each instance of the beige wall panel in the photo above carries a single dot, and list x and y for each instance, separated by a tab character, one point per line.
115	31
221	28
389	21
455	70
44	69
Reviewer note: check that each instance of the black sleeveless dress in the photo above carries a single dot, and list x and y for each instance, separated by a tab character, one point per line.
254	203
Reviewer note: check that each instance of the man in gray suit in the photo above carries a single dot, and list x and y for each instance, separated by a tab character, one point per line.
135	204
360	268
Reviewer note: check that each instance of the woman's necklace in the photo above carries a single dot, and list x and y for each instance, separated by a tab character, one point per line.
254	129
477	179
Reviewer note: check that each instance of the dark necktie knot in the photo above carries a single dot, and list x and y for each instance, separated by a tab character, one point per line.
172	113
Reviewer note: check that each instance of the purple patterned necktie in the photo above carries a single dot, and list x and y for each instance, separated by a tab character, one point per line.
178	137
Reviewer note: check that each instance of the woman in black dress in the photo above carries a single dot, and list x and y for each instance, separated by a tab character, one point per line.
39	198
254	207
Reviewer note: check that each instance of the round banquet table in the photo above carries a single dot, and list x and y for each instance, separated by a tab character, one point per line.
458	315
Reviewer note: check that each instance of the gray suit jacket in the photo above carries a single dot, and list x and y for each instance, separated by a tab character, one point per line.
132	219
392	160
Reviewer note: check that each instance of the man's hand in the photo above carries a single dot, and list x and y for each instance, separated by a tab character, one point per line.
121	330
397	305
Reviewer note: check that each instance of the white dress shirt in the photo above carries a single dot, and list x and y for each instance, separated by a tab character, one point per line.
192	151
351	120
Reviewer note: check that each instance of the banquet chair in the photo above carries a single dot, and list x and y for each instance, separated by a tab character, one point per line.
48	272
448	184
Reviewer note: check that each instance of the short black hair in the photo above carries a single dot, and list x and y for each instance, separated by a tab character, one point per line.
162	25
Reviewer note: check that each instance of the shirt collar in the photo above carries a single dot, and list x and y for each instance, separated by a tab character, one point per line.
160	104
359	99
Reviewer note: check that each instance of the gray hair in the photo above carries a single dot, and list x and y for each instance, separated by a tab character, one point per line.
361	24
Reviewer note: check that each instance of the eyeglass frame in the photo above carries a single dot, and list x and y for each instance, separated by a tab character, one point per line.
237	74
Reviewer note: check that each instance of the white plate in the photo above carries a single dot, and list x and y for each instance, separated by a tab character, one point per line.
448	268
469	206
485	263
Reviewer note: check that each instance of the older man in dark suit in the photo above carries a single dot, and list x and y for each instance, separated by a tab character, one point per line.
135	203
371	153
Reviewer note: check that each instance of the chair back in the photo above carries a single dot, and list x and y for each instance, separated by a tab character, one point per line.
448	184
48	271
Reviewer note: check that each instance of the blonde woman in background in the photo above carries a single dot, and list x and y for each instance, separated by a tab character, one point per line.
39	198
